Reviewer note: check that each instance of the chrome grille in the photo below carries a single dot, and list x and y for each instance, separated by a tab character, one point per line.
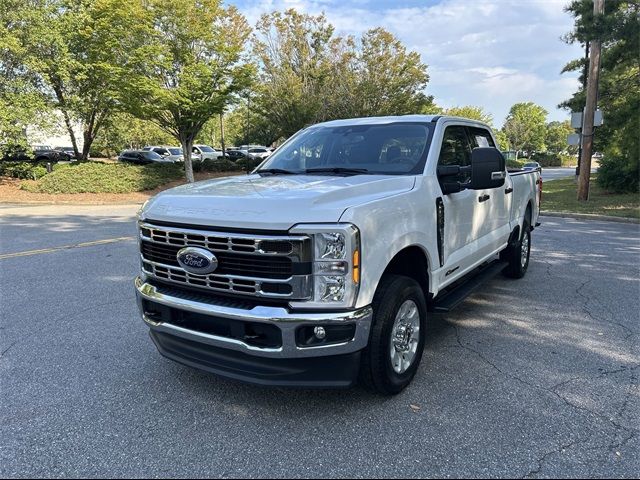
255	265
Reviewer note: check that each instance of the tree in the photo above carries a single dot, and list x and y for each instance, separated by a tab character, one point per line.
525	127
503	141
619	92
72	49
21	102
191	68
556	137
469	111
309	75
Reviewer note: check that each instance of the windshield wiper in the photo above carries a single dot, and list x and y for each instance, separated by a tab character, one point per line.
277	171
353	171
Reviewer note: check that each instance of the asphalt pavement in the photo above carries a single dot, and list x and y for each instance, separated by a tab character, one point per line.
528	378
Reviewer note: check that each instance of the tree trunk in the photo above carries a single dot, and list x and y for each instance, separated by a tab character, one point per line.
69	125
224	152
187	145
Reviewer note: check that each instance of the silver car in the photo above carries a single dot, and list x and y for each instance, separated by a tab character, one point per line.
173	154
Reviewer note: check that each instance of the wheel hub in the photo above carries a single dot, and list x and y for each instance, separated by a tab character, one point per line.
405	336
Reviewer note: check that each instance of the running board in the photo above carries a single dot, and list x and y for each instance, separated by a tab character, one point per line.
457	295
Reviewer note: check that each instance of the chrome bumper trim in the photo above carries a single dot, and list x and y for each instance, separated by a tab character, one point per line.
282	318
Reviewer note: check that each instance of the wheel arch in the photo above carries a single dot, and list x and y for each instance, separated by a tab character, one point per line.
412	261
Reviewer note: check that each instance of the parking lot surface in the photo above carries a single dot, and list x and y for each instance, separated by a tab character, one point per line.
530	378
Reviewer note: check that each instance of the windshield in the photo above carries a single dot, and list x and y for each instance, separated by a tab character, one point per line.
392	149
204	148
175	151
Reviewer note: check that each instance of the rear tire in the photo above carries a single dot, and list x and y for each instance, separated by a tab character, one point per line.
397	336
518	253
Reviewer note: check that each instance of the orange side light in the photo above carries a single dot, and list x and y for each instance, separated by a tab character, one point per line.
356	266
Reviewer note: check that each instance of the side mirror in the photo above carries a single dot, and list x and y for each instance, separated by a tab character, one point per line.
488	169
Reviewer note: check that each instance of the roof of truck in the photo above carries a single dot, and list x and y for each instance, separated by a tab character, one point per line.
394	119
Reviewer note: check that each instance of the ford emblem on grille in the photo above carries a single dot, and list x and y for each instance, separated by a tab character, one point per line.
197	260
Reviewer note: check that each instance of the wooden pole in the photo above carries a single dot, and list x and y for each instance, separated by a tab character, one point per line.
589	112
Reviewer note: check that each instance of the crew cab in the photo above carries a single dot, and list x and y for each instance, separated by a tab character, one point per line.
322	267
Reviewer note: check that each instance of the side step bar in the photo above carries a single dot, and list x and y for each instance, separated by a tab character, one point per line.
452	298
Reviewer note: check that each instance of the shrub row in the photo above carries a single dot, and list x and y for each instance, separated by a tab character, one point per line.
224	165
93	177
547	159
23	170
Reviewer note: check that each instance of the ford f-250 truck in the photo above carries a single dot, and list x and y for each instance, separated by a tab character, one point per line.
322	266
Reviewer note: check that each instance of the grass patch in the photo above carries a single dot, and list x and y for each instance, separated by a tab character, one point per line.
560	196
105	178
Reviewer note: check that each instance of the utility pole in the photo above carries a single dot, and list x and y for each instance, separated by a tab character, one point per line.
585	75
589	111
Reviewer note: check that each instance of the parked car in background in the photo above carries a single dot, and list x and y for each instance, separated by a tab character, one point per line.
258	153
44	153
142	156
205	152
532	166
235	155
169	153
67	151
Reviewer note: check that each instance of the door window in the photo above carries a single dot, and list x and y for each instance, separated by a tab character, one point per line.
456	150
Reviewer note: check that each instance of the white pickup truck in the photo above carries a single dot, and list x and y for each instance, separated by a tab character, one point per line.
322	267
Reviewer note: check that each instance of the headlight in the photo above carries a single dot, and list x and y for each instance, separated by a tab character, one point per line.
336	265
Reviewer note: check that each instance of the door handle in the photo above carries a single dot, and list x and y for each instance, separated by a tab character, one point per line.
484	198
508	191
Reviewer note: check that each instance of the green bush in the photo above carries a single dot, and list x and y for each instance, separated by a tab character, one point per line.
619	174
515	163
217	165
93	177
23	170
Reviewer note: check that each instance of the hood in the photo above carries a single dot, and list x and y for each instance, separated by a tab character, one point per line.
274	202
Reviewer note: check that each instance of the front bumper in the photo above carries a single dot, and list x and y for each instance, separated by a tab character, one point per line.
288	364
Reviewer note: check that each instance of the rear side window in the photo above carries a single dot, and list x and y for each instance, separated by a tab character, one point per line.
456	150
481	137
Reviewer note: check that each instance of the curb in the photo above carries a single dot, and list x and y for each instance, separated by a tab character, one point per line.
590	216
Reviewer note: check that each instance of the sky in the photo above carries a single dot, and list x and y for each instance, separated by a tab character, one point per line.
488	53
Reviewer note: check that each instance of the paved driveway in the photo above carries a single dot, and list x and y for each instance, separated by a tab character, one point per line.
530	378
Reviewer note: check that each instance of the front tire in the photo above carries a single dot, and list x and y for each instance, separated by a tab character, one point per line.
397	337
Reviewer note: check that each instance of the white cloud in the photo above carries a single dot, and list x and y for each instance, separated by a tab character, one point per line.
490	53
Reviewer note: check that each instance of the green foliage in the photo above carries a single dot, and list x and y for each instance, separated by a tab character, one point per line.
619	87
217	165
549	159
525	127
93	177
309	75
501	138
471	112
191	68
620	175
72	51
515	163
556	137
22	170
